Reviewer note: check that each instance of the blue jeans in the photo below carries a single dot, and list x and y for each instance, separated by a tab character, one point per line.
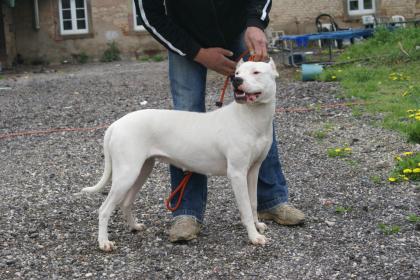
188	83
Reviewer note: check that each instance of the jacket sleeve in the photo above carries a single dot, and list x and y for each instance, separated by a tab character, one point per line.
257	13
164	30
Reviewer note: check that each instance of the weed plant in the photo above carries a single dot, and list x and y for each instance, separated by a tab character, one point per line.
407	168
112	53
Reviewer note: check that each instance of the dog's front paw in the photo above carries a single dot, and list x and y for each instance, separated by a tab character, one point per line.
261	227
107	246
138	227
259	239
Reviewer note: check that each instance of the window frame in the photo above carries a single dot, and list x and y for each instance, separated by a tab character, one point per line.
73	31
136	27
361	10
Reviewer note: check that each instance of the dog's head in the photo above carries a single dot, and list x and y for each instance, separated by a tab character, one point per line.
254	82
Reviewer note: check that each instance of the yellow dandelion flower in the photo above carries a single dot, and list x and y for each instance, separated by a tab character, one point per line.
408	153
407	171
410	111
405	93
398	158
392	179
418	164
411	115
418	118
337	150
333	77
416	170
405	178
347	149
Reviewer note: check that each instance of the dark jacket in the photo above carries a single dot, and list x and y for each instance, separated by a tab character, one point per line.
185	26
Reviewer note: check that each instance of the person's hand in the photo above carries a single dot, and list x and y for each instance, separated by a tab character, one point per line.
256	42
216	59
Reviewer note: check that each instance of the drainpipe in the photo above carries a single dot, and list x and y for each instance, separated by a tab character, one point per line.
36	15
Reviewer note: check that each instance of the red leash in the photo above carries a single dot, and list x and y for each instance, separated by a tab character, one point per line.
180	189
222	94
184	182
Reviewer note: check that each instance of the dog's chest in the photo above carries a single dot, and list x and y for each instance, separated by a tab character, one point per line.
260	147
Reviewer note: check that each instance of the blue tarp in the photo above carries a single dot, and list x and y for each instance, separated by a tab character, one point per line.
302	40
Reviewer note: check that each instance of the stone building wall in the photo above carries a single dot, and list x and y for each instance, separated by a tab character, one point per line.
297	17
110	20
9	36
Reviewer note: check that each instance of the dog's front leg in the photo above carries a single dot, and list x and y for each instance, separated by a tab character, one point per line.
252	191
240	189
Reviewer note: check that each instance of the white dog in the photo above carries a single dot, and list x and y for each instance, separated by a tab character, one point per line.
232	141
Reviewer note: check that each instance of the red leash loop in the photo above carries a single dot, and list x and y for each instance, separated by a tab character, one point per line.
222	94
180	189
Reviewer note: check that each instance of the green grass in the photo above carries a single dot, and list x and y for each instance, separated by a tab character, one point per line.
413	218
375	179
339	152
342	209
383	76
152	58
389	229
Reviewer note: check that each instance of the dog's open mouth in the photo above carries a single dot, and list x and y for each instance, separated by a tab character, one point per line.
242	97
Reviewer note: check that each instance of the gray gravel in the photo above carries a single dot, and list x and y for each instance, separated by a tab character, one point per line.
48	233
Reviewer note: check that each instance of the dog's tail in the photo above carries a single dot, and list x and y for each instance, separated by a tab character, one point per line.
108	166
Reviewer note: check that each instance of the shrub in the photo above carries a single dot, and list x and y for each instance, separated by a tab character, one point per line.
82	58
112	53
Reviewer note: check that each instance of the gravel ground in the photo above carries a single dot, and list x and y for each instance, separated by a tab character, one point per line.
49	233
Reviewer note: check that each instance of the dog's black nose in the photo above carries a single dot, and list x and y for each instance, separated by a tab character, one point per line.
236	82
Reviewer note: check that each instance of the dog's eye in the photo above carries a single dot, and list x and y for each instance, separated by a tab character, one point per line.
237	73
256	72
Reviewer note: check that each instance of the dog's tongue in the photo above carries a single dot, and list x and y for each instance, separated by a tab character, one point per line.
250	97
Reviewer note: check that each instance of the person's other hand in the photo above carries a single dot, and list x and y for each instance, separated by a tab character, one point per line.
216	59
256	42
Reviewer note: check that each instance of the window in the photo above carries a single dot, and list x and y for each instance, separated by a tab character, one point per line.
360	7
138	23
73	17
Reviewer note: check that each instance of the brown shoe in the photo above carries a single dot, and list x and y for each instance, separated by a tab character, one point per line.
284	215
184	228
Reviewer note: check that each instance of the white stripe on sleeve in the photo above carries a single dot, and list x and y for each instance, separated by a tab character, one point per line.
146	22
264	13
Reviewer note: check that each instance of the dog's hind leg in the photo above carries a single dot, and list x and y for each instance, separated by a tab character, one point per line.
123	179
127	203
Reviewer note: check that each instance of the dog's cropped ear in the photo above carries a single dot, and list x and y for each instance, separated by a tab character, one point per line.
273	67
239	62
